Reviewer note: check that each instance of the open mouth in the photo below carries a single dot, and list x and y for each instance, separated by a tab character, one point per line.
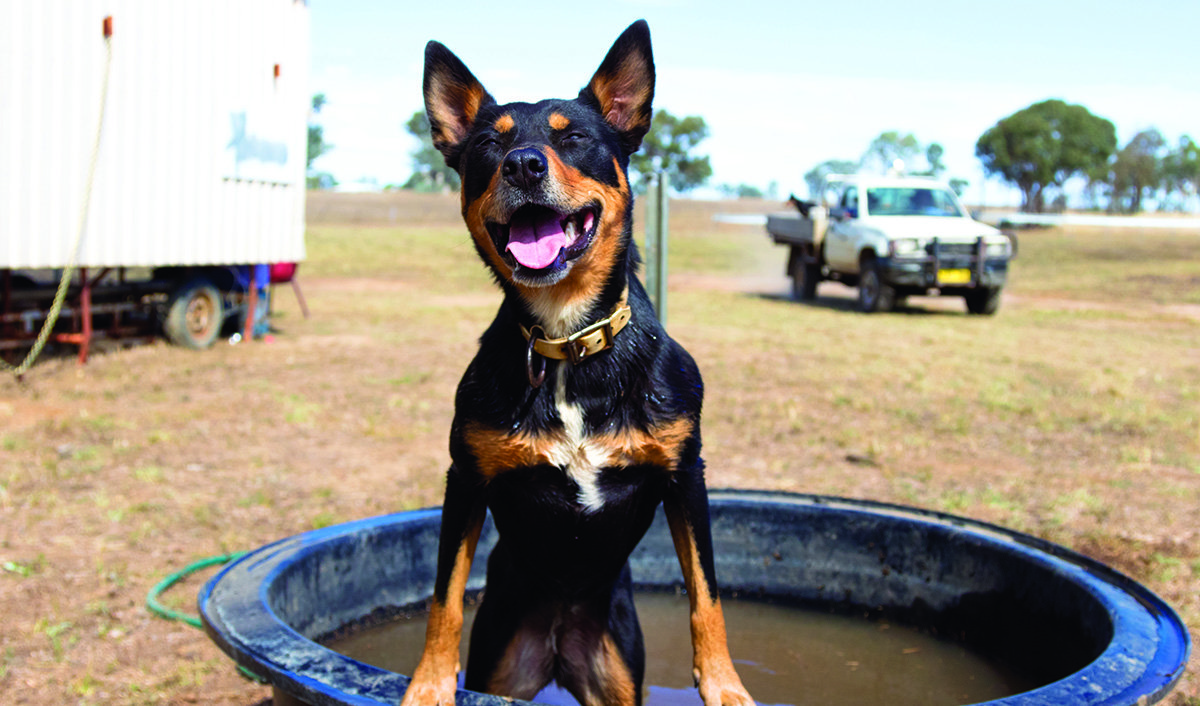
538	238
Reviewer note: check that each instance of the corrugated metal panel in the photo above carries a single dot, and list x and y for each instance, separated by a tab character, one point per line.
173	184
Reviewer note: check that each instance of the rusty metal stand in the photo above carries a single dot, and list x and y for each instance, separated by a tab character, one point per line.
248	329
82	336
300	297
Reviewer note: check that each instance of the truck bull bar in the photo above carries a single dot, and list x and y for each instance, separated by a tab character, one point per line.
977	258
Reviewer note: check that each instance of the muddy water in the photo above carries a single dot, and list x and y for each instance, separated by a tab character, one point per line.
784	656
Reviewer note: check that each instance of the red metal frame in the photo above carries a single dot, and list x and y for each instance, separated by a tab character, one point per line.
82	318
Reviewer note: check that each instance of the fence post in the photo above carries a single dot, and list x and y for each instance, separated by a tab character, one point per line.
657	218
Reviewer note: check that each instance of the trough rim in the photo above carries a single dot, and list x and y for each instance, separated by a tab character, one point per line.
1171	642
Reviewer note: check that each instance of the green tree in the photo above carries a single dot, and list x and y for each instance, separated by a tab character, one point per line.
430	172
1137	172
317	147
741	191
1181	170
1044	145
669	147
933	155
815	177
884	151
881	157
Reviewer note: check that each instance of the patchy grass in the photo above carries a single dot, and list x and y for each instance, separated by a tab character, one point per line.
1112	265
24	569
394	253
1073	414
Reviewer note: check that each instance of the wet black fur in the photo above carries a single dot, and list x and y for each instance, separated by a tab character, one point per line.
552	551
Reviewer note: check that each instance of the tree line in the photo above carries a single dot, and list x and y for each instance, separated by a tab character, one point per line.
669	146
1037	150
890	151
1040	148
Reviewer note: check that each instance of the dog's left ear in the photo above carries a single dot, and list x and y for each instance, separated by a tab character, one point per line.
453	98
623	87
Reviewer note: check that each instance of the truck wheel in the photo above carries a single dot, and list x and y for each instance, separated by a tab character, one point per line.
874	295
195	313
984	301
805	277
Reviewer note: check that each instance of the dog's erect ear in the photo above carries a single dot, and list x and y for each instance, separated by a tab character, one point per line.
623	87
453	97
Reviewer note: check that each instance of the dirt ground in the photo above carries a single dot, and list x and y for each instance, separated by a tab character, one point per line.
115	474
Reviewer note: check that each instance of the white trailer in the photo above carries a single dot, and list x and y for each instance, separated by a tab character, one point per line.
198	173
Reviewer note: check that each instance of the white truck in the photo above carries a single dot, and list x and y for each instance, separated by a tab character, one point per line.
894	237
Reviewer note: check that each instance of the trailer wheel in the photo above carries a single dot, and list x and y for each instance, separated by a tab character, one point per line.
984	301
195	313
874	295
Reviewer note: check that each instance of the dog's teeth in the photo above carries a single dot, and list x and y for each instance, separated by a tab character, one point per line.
570	229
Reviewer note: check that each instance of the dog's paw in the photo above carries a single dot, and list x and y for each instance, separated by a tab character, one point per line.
429	690
722	687
725	694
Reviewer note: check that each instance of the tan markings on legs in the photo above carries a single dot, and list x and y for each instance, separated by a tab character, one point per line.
594	671
528	662
435	678
614	681
712	667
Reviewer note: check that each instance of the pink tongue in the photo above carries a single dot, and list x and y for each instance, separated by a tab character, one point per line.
536	240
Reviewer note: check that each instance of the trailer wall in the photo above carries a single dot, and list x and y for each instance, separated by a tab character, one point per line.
202	156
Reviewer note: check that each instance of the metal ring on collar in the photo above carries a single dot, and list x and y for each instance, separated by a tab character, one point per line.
535	381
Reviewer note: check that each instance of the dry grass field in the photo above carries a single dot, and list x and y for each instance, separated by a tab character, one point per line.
1073	414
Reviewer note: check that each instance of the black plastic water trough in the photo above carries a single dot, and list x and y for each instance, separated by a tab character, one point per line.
1088	633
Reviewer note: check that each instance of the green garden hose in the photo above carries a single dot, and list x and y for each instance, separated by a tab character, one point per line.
156	607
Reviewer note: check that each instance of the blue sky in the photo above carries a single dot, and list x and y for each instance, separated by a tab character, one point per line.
782	85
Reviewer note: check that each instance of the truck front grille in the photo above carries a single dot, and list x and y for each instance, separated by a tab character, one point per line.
956	249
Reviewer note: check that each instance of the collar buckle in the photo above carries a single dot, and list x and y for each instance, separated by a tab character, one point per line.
584	343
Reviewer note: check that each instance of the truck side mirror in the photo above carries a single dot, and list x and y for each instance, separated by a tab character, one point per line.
837	213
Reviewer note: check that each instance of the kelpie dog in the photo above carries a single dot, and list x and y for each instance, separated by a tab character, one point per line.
578	416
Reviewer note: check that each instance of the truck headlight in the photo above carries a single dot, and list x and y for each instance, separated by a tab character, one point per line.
906	247
998	249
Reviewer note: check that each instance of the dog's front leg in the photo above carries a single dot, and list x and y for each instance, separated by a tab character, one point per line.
686	507
435	679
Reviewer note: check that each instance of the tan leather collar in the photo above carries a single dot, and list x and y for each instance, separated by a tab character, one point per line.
585	342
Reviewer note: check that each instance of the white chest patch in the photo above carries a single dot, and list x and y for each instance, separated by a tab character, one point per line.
558	319
578	457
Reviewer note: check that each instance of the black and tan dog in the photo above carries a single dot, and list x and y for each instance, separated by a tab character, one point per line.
578	416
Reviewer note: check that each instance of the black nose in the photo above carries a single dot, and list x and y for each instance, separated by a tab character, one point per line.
524	167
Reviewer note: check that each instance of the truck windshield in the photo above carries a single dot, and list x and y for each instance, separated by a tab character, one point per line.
907	201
